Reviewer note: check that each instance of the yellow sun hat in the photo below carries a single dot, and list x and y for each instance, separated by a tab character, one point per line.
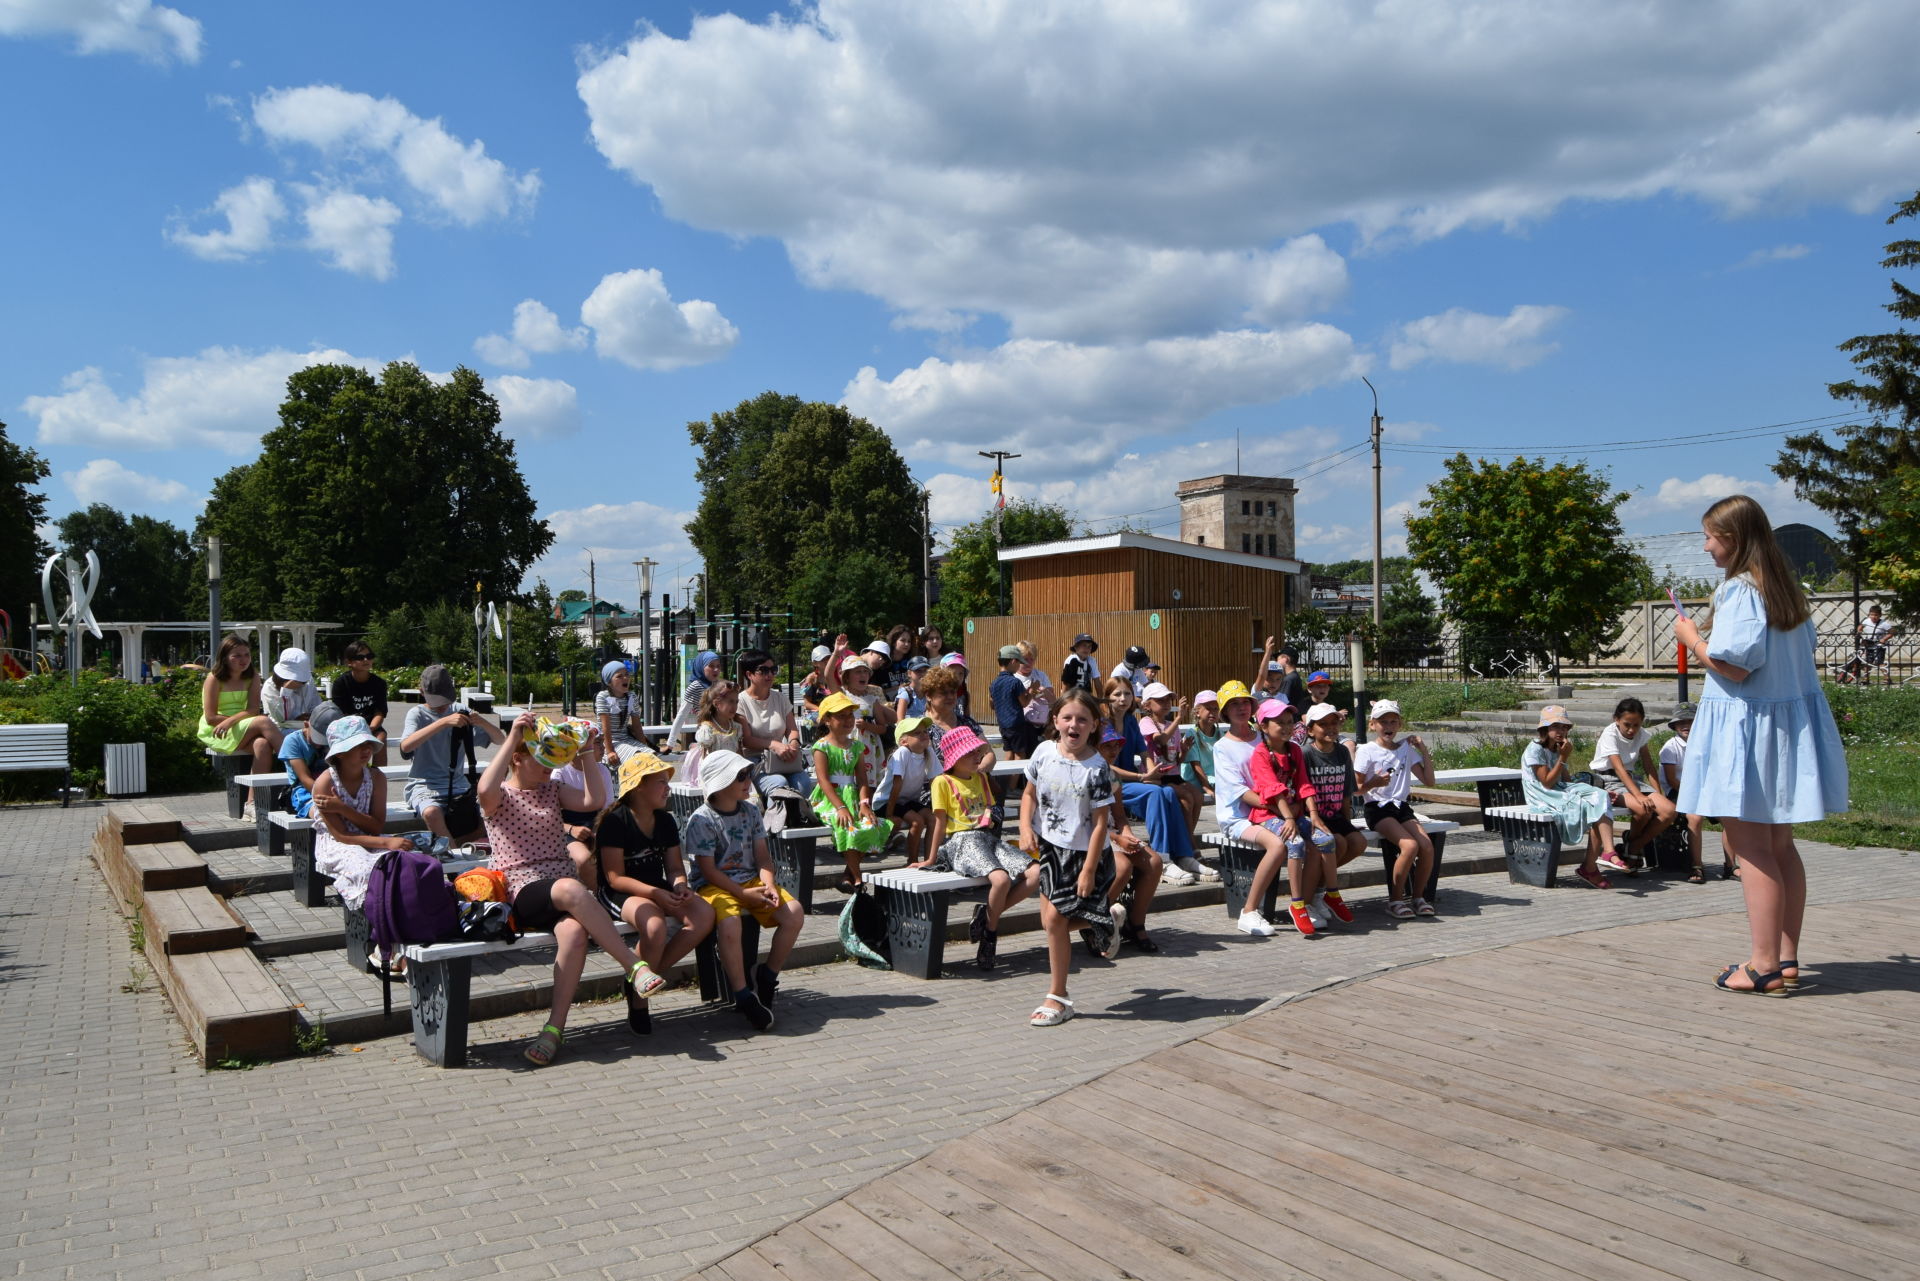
1232	690
636	769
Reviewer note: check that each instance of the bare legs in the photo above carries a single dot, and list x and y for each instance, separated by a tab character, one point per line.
1414	863
585	919
1774	881
1652	815
1003	891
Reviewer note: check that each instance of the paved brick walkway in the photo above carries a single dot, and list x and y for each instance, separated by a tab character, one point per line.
119	1156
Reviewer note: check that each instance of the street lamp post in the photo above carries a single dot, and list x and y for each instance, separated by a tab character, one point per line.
213	598
645	565
1375	436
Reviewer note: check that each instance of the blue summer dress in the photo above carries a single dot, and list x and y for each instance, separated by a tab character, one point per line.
1764	749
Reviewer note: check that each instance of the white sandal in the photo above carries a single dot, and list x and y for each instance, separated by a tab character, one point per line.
1046	1016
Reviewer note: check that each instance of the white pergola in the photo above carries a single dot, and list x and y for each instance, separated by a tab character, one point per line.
301	633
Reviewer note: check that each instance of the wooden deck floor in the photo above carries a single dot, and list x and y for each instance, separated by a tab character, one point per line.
1580	1107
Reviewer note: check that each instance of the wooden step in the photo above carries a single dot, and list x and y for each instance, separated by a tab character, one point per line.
170	865
143	824
229	1004
191	920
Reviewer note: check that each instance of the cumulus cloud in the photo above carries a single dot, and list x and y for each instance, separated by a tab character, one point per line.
106	481
617	535
536	408
1099	173
251	210
635	321
1512	341
150	31
223	398
354	231
1070	408
535	329
1692	497
458	179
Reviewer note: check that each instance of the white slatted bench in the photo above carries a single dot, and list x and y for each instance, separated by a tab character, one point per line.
914	903
25	748
1239	860
270	791
440	984
1495	786
310	885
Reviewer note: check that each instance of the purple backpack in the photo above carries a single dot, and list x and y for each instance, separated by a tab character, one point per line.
409	900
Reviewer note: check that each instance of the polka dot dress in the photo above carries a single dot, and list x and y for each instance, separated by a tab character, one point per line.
528	842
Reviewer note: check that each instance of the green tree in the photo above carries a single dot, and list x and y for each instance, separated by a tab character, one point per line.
1392	570
1527	551
23	509
1863	480
571	593
795	497
970	572
1409	624
146	566
371	494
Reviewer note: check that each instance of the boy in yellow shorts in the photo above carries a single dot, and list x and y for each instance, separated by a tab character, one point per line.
726	842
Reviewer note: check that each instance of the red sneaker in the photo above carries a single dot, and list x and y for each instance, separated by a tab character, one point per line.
1301	921
1338	906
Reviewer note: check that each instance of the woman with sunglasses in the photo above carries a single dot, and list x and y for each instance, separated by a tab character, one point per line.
772	732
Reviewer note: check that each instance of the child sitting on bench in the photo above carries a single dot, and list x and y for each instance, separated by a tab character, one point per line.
727	840
1582	811
963	837
644	881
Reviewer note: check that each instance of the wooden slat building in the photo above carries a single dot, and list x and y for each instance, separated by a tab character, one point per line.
1202	613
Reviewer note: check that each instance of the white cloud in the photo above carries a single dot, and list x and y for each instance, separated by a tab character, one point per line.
617	534
223	398
355	231
1695	496
251	210
1134	169
1512	341
150	31
536	408
635	321
535	329
1777	253
459	179
1071	408
105	481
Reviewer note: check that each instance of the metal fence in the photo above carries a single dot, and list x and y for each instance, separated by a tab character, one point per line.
1454	658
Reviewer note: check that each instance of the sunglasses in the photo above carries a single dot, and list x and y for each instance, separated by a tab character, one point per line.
768	670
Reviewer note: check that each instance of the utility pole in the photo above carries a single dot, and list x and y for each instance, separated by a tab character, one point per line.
213	599
593	602
926	557
999	457
1377	589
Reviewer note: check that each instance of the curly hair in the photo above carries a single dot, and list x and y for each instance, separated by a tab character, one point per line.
939	681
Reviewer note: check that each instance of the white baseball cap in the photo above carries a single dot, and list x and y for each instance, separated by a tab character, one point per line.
1206	696
1384	707
1156	690
821	653
1320	711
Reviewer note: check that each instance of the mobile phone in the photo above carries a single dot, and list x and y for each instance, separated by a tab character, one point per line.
1678	608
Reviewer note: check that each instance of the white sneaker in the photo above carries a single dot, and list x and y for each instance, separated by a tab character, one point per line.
1177	875
1254	923
1199	869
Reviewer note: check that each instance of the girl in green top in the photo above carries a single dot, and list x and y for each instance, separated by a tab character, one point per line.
843	792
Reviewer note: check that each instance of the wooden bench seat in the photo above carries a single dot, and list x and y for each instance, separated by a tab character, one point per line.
1239	860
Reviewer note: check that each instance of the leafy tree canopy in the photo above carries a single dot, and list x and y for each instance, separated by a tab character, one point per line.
970	573
798	499
1392	570
23	509
146	567
1526	550
374	494
1868	479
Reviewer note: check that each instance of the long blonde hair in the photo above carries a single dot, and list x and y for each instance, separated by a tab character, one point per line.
1742	524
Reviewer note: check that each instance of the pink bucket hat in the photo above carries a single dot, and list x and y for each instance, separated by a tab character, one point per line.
956	744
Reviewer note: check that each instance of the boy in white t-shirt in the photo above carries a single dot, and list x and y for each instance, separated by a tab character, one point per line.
1673	759
905	790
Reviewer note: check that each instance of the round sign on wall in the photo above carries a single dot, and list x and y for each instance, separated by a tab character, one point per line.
1153	621
969	627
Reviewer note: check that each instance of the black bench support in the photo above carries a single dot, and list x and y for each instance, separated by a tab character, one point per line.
439	991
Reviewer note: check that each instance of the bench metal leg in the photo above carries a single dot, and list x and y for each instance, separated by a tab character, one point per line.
266	799
1533	851
706	960
359	938
1238	863
438	993
793	867
1389	851
309	885
916	930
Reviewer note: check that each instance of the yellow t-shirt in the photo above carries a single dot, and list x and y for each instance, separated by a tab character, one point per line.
962	800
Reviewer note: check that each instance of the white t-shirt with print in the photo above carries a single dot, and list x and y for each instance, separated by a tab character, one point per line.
1067	793
1395	762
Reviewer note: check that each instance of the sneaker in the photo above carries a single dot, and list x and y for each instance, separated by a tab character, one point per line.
1594	878
441	847
766	985
1199	869
1118	934
1302	919
1423	908
752	1010
1338	906
1400	909
1177	875
978	929
1251	922
1318	915
1612	862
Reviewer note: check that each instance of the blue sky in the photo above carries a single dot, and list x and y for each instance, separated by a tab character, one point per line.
1107	236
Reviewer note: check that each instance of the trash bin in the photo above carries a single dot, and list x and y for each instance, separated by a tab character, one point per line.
126	769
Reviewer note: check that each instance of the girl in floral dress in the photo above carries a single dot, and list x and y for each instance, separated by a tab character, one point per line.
843	792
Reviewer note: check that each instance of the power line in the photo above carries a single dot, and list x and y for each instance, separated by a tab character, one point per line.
1727	434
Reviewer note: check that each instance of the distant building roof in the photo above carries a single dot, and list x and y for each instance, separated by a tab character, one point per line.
1147	542
572	611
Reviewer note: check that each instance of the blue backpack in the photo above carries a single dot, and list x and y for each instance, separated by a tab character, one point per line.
409	900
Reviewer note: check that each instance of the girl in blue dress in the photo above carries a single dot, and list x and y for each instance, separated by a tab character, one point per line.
1765	753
